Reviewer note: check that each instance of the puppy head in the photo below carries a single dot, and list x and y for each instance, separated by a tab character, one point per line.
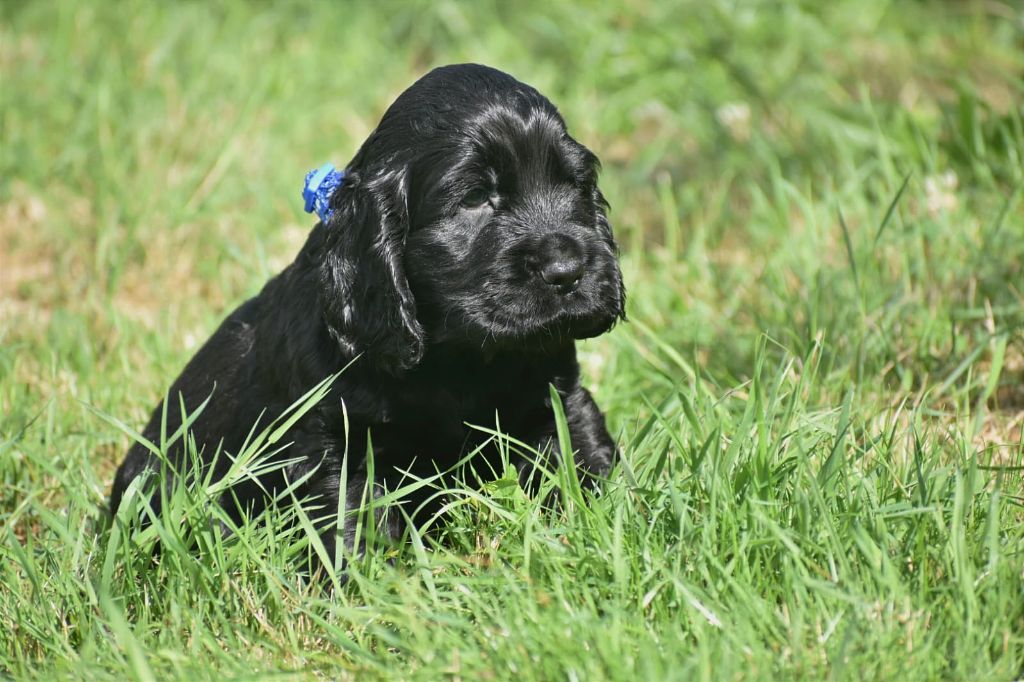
469	216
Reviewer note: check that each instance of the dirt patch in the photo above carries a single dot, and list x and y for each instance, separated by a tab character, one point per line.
23	260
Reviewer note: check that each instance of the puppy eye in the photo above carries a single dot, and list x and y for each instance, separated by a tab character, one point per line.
477	197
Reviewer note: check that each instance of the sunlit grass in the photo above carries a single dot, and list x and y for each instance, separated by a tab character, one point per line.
819	396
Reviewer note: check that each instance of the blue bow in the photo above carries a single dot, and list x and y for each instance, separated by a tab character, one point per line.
320	184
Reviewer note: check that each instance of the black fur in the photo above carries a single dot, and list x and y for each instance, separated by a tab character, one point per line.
468	249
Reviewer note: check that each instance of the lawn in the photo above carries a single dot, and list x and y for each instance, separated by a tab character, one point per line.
819	394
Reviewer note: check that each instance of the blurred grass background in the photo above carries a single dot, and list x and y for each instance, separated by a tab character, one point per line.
819	196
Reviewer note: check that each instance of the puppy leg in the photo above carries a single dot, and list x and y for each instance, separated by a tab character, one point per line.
595	449
348	521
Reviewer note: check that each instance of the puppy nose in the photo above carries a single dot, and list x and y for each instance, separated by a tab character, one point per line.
561	260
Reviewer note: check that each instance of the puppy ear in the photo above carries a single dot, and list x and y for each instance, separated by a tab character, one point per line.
605	227
364	294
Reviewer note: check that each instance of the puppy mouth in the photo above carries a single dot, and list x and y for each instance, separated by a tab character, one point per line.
518	300
561	328
529	320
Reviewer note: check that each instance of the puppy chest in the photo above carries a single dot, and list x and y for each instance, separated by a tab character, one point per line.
447	424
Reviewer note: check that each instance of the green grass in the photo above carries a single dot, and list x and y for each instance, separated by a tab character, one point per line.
820	393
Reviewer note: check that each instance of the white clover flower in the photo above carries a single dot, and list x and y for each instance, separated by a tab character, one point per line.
735	117
940	193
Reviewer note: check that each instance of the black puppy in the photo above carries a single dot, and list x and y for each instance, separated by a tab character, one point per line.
465	251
